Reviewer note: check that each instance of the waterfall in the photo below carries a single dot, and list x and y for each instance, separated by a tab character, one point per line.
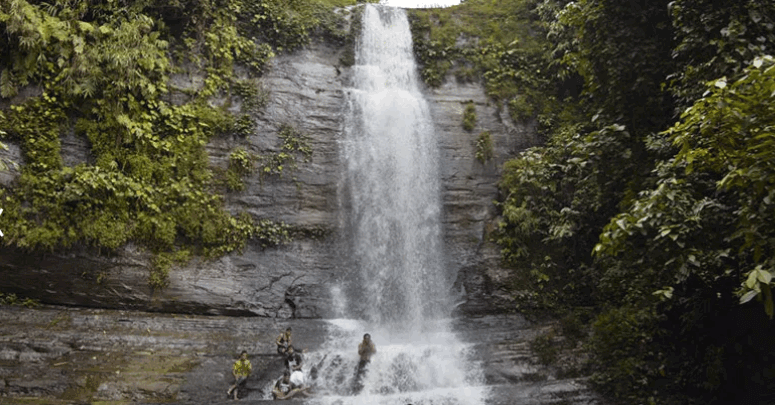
390	153
397	288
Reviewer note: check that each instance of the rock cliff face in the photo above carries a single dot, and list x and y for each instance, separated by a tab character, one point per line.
307	91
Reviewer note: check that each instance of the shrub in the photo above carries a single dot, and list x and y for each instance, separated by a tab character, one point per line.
469	116
545	348
484	149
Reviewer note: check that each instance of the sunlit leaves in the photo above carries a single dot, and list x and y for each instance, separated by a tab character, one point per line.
715	39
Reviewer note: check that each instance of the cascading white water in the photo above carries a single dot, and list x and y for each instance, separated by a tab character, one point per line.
390	152
398	290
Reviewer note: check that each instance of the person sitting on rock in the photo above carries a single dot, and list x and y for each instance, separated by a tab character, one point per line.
285	389
284	341
282	388
293	359
241	370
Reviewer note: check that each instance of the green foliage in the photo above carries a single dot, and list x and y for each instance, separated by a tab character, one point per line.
623	52
162	262
356	25
716	39
295	146
572	325
432	55
101	71
12	299
289	24
521	108
240	164
484	149
469	116
624	349
254	98
731	133
3	164
545	348
677	218
286	26
558	197
719	180
499	41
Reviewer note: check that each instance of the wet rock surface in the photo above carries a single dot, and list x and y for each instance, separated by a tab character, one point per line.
139	351
306	90
68	355
61	355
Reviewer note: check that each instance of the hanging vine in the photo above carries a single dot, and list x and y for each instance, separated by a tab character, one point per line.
101	70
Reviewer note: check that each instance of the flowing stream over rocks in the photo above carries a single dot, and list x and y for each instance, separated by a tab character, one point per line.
398	289
68	356
412	266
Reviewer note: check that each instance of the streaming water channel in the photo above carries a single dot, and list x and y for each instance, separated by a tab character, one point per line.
395	286
398	290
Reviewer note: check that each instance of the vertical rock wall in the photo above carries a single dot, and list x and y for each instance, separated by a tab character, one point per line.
306	91
470	189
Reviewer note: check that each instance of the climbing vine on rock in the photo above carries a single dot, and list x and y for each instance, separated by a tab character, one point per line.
469	116
484	149
101	71
295	147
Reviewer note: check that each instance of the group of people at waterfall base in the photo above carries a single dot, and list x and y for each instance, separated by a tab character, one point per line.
292	382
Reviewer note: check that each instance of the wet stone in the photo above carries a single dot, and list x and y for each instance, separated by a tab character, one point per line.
182	359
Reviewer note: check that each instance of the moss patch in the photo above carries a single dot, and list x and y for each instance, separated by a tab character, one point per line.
469	116
97	376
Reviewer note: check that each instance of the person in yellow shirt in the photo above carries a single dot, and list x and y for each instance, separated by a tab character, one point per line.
241	370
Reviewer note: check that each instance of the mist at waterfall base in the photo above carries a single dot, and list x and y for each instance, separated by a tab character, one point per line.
398	289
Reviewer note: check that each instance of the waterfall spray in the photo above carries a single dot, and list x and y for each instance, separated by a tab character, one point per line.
397	290
391	156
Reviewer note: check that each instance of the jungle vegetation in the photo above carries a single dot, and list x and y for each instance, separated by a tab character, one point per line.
647	212
100	70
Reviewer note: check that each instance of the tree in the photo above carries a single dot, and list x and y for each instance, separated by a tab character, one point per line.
701	238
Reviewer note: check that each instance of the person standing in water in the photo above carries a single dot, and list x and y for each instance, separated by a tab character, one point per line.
366	349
